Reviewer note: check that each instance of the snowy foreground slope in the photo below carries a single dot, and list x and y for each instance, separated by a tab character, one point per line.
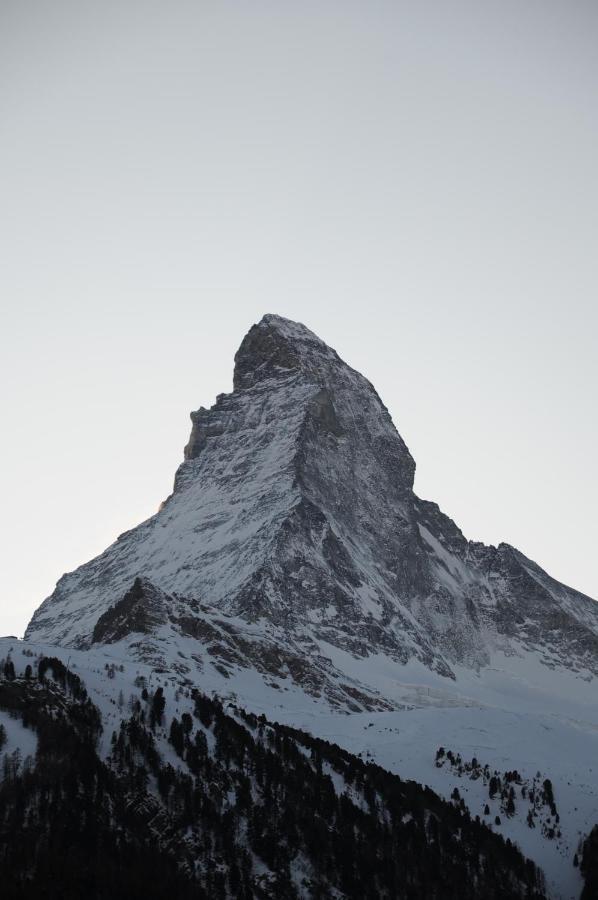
294	570
500	717
172	793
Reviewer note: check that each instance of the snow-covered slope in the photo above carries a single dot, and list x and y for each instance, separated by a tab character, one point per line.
512	715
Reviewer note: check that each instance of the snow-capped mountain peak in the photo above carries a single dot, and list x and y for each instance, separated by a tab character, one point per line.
293	537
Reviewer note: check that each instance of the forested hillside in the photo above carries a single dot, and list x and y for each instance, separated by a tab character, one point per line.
229	806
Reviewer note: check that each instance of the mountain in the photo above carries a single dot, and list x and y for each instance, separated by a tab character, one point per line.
294	573
293	528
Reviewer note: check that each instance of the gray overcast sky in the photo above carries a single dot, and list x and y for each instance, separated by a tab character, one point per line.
415	181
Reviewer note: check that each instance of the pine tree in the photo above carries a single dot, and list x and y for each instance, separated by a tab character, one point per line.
548	795
158	705
9	670
177	736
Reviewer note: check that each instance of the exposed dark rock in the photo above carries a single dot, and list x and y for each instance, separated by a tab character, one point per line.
141	610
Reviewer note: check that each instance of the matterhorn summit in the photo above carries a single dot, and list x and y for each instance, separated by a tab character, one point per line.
293	550
295	641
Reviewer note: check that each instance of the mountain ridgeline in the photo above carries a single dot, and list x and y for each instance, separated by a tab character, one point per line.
293	543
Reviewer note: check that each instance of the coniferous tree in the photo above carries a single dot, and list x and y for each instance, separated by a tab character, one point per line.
589	865
9	670
158	705
177	736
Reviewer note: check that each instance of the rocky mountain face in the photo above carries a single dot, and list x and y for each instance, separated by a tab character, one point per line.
293	542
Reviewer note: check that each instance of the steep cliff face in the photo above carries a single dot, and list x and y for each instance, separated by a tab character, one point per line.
293	521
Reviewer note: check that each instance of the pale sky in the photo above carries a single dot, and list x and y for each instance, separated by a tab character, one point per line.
416	182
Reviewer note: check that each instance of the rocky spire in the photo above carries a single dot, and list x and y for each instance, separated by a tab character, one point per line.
277	346
294	512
